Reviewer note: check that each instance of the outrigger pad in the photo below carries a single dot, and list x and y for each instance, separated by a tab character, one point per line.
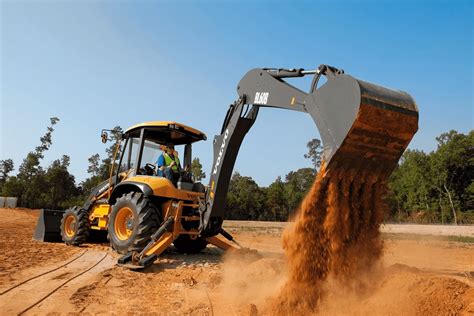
148	261
48	227
126	262
125	259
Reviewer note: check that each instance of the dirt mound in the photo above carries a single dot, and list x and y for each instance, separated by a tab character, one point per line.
398	291
255	286
440	296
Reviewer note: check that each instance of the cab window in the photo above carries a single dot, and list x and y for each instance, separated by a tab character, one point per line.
129	154
151	152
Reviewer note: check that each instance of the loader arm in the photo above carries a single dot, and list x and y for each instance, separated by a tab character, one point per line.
359	124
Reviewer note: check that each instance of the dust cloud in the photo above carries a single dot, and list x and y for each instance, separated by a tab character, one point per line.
251	280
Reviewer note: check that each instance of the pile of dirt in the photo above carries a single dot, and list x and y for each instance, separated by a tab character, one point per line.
251	286
335	235
399	290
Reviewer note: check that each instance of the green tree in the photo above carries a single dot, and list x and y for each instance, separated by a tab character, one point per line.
412	186
315	152
93	167
112	153
61	187
297	184
453	164
245	199
31	175
196	170
100	170
6	166
12	187
438	184
47	139
96	175
276	203
469	193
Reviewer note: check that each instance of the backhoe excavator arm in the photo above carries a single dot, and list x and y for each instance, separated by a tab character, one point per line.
357	122
258	88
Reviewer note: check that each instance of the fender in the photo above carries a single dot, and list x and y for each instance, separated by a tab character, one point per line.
129	186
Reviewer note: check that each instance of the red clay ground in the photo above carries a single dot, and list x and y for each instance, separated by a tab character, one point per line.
419	276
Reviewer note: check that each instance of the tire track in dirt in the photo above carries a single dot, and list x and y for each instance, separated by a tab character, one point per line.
58	284
41	274
20	252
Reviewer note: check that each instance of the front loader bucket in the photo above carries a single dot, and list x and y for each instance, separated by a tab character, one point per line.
48	227
363	126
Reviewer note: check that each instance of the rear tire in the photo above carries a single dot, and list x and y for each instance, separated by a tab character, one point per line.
75	226
132	221
184	244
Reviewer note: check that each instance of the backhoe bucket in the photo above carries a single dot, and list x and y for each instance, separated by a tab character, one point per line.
363	126
48	227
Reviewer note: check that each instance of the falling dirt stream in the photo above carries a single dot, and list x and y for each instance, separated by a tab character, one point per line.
335	235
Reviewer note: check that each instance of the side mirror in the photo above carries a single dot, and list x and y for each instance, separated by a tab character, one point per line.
104	136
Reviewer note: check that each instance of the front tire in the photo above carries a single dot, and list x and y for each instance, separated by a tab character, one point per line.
132	221
75	226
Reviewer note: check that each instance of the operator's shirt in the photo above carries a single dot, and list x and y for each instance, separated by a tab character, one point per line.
161	161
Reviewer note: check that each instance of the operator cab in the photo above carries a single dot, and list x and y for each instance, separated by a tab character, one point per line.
143	143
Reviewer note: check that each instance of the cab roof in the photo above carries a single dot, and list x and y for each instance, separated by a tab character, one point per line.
168	131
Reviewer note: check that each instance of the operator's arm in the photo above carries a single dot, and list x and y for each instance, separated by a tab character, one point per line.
161	163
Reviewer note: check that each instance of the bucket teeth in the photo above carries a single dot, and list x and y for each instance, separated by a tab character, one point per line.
125	259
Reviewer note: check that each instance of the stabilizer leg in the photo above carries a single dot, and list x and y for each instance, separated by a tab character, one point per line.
160	240
222	244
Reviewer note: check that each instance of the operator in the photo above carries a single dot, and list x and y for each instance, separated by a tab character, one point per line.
168	164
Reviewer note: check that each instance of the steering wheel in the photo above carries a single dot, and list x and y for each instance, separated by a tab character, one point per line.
150	169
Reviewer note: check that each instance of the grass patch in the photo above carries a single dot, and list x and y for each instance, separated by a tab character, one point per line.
465	239
462	239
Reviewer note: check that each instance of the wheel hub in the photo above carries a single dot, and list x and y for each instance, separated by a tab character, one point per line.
129	223
70	226
124	223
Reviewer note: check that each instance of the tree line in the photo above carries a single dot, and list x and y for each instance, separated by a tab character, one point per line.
435	187
35	186
52	187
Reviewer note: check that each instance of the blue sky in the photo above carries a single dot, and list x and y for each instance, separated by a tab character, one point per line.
98	64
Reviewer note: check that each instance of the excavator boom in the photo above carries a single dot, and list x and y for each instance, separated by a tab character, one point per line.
362	125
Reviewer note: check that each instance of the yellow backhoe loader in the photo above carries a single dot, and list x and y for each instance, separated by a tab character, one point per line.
143	212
